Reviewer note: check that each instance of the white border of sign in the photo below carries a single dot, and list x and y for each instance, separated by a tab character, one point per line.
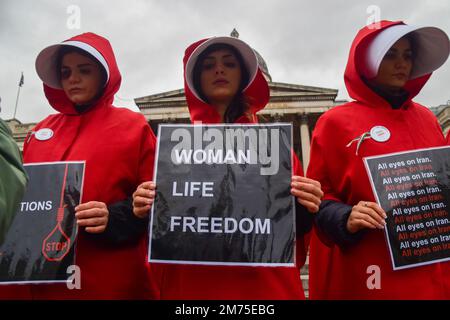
155	171
378	201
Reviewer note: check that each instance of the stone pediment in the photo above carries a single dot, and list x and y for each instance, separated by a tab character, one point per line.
278	92
174	97
293	92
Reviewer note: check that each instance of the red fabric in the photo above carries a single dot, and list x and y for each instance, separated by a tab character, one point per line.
342	274
219	282
118	147
448	137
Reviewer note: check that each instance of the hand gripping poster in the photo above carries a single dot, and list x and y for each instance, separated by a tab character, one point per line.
414	190
223	195
40	245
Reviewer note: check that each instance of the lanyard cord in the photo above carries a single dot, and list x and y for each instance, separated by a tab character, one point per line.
360	139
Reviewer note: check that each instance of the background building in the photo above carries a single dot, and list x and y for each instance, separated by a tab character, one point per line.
442	112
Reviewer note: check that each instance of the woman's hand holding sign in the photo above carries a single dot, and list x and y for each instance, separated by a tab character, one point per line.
143	199
366	215
92	215
308	192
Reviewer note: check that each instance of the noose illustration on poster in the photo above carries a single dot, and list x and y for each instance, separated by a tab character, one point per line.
57	244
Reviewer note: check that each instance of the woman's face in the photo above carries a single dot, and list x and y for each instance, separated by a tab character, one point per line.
81	78
220	76
395	68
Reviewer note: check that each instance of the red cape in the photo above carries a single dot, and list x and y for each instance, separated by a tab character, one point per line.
219	282
118	147
336	273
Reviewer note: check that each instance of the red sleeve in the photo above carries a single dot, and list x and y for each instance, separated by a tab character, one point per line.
297	165
302	242
25	143
147	155
318	169
28	138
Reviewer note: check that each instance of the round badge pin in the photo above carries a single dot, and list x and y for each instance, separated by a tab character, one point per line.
44	134
380	134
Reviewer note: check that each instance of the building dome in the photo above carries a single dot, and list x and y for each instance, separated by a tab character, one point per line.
261	62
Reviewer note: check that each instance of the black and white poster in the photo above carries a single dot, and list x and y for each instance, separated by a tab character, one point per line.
223	195
40	245
414	189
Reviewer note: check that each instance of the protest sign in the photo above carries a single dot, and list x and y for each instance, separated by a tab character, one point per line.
413	188
223	195
40	245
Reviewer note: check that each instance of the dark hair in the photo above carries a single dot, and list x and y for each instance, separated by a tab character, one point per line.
70	49
239	105
411	37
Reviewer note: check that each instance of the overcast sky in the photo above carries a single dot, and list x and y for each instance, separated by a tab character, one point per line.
302	42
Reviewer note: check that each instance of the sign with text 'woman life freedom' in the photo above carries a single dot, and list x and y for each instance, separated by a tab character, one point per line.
40	244
413	188
223	195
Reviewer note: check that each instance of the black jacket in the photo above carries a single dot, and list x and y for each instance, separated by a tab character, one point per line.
331	223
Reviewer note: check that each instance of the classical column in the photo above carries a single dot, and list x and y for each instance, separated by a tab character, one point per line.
304	136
